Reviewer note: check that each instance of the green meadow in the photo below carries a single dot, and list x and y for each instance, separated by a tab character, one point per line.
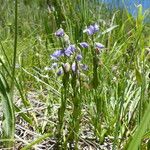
74	75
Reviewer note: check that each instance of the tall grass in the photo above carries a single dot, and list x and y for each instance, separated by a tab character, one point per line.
7	92
111	99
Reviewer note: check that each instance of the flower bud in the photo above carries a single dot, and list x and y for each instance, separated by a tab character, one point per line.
59	32
79	57
66	67
60	72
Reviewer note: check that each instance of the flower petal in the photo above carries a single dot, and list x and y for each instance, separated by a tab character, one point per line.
99	45
91	29
84	44
56	54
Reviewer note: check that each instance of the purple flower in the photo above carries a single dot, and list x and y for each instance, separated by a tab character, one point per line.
84	67
56	54
79	57
59	32
60	72
99	45
91	29
69	50
84	44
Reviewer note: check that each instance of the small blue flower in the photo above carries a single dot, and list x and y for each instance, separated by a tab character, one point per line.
56	54
91	29
84	67
60	72
60	33
79	57
84	45
69	50
99	45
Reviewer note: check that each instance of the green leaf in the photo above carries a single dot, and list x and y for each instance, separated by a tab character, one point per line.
138	77
110	29
140	130
38	140
107	30
8	110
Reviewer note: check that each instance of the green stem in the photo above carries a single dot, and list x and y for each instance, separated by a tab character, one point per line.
95	65
15	46
61	111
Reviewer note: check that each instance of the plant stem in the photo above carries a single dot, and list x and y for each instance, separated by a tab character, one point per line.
15	47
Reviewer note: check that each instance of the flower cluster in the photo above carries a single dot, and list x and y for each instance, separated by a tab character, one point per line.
90	30
65	52
68	58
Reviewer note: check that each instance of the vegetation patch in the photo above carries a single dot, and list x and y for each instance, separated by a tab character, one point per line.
73	75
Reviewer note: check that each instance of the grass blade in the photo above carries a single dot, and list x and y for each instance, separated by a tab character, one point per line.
140	130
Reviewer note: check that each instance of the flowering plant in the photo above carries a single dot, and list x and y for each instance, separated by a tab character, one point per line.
67	63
